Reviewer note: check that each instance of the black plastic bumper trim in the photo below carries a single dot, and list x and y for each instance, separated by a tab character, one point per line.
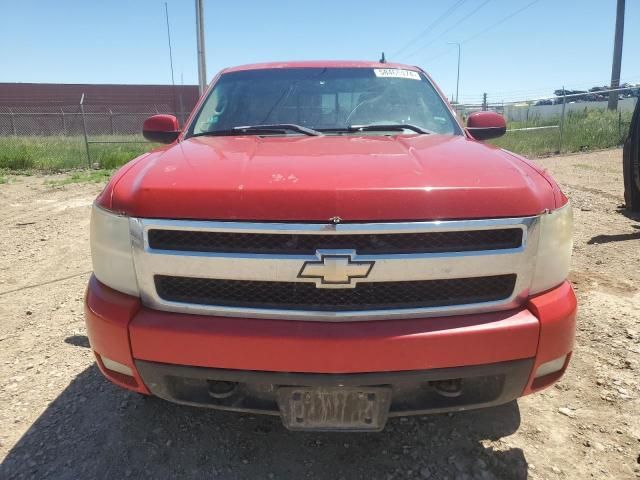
183	384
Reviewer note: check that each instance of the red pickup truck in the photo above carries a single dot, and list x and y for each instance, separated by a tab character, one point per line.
325	241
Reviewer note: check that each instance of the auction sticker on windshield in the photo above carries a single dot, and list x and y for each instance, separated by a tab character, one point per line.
396	73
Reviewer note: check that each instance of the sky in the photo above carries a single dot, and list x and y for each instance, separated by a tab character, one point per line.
511	49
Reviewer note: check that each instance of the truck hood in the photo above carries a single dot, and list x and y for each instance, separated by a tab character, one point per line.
356	178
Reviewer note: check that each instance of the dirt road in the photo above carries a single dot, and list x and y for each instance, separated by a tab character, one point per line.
60	419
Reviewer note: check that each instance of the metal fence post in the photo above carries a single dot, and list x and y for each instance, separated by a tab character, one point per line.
84	129
620	125
13	123
64	124
564	106
111	120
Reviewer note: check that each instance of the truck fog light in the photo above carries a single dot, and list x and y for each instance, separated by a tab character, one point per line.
116	366
551	367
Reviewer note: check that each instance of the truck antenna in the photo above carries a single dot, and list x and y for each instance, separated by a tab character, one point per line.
383	59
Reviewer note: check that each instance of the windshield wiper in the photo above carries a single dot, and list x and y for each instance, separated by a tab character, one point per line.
387	127
377	127
258	129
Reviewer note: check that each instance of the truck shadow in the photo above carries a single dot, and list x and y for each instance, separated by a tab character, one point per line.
95	430
598	239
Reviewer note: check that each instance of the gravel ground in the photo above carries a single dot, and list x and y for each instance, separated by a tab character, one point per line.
60	419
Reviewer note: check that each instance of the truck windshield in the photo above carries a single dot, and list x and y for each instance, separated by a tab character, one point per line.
327	100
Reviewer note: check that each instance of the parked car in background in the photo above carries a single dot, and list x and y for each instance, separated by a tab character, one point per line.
324	241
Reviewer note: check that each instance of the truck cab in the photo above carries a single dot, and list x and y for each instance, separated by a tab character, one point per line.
326	242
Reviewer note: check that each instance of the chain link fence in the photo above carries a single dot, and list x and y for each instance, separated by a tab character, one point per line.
563	123
59	137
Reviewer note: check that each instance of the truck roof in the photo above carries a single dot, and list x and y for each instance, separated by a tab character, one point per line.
320	64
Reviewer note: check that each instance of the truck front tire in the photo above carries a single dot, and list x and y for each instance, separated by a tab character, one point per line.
631	164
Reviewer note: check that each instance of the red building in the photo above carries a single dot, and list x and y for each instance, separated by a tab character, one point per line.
60	94
53	108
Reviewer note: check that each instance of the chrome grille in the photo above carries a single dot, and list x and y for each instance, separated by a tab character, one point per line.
364	244
269	270
305	296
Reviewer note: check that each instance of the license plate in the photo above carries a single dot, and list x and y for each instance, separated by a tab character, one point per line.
334	408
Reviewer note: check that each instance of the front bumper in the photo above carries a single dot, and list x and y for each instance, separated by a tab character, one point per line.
168	353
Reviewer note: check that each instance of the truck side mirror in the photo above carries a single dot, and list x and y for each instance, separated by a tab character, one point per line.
161	128
486	125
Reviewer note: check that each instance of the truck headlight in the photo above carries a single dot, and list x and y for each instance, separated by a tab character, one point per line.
111	251
554	249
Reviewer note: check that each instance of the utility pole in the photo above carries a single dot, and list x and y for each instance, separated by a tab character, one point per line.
458	76
617	56
202	66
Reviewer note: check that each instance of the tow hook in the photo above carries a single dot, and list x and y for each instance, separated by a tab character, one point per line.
220	389
448	388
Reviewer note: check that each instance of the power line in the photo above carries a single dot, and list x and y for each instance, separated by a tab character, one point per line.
500	22
436	22
166	13
490	27
173	82
447	30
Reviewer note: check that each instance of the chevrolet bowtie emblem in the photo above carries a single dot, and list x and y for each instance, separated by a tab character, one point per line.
335	270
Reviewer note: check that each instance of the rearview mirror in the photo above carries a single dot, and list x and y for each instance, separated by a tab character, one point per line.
161	128
486	125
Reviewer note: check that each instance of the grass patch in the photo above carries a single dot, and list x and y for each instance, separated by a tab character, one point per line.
114	155
3	180
60	153
583	131
83	176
